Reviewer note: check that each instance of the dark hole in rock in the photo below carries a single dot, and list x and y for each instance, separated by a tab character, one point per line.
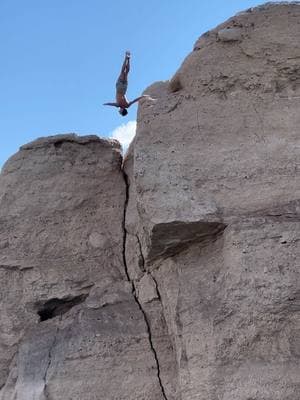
58	144
54	307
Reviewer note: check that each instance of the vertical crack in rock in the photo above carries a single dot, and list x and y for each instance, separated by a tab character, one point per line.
45	377
141	253
156	287
133	288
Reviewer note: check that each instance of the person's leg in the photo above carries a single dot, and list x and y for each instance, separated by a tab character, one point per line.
125	68
128	62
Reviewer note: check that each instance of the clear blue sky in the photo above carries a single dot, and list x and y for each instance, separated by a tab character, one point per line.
60	59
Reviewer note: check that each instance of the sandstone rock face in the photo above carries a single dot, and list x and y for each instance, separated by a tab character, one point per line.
224	145
70	325
214	201
176	278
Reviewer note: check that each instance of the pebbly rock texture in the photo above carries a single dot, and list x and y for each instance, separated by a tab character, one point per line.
175	277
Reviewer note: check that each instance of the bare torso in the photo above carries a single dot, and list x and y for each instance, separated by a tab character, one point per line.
121	100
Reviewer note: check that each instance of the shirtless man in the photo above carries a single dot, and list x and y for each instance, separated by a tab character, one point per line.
121	88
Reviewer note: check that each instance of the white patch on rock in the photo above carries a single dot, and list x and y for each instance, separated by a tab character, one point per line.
96	240
230	34
146	289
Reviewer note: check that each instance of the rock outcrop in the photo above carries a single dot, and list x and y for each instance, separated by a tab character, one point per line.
71	327
176	275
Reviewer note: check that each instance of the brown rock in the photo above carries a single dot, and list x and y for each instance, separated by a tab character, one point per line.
215	194
177	278
70	325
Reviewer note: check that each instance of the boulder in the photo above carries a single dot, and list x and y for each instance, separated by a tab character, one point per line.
70	325
214	193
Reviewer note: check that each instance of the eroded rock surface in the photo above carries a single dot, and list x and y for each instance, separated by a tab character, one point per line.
70	325
176	278
214	171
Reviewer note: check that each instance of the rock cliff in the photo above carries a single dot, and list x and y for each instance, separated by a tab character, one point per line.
172	274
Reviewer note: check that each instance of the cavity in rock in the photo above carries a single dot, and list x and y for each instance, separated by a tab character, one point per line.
54	307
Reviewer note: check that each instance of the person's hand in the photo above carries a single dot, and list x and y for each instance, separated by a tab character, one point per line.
127	54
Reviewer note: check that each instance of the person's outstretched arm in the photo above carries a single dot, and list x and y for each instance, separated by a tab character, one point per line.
144	96
111	104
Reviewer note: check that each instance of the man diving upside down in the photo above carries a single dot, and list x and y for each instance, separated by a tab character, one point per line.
121	88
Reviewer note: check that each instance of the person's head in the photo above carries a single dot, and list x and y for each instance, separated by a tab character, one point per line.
123	111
